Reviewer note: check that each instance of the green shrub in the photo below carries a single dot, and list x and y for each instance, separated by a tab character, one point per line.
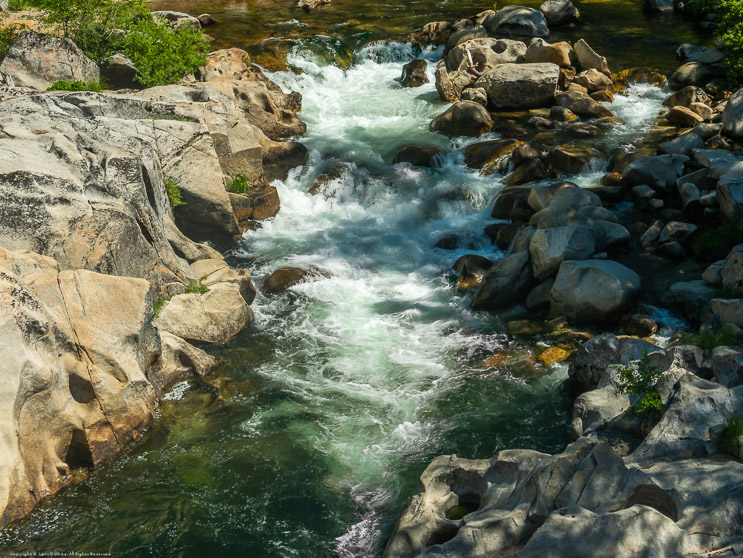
709	340
103	27
640	382
240	184
197	288
727	440
174	193
714	244
96	86
8	35
20	5
730	33
158	306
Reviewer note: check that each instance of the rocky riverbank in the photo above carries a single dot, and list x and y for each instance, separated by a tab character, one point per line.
627	486
107	299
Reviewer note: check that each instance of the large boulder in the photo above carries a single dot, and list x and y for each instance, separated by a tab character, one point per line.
489	156
82	367
39	61
465	118
732	271
485	53
658	172
414	73
451	85
505	284
732	116
177	20
518	21
559	12
520	85
693	73
594	291
550	247
588	58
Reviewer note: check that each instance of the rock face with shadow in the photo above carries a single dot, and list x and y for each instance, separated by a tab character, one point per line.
620	489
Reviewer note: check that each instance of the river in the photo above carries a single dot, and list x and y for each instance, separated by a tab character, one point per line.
326	411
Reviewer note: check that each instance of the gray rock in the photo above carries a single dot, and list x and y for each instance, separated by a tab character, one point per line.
732	271
693	297
559	12
651	235
713	274
732	116
657	172
693	73
696	53
728	310
542	195
676	231
177	20
414	73
450	86
730	197
118	72
505	284
690	194
460	36
540	50
727	366
465	118
39	61
594	291
486	53
519	21
476	94
683	144
550	247
609	235
520	85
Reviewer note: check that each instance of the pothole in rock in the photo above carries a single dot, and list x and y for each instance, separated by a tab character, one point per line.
467	504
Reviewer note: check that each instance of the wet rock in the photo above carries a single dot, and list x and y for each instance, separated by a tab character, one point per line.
284	278
472	269
550	247
465	118
118	72
682	145
640	326
436	33
588	58
559	12
309	5
485	53
519	21
207	20
39	61
525	152
451	85
540	50
540	122
683	117
489	156
532	170
602	96
418	155
542	195
570	159
505	284
520	85
260	202
676	231
594	291
414	73
562	114
506	235
522	239
593	80
476	94
581	104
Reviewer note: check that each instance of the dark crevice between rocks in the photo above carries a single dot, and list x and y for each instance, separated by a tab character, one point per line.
442	535
77	453
656	498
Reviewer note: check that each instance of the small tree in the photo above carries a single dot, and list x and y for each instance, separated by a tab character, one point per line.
730	32
640	382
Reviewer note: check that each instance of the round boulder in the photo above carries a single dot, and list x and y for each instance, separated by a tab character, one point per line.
594	291
465	118
414	73
559	12
519	21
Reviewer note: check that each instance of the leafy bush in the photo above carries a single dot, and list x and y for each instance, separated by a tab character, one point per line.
730	33
240	184
640	382
158	306
103	27
709	340
8	35
174	193
162	55
19	5
727	440
714	244
96	86
197	288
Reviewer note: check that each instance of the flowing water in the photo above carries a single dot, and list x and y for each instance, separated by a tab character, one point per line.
330	407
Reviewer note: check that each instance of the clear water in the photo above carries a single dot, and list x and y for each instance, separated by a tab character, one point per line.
331	406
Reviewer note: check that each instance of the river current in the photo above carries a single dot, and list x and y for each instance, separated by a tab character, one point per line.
327	410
